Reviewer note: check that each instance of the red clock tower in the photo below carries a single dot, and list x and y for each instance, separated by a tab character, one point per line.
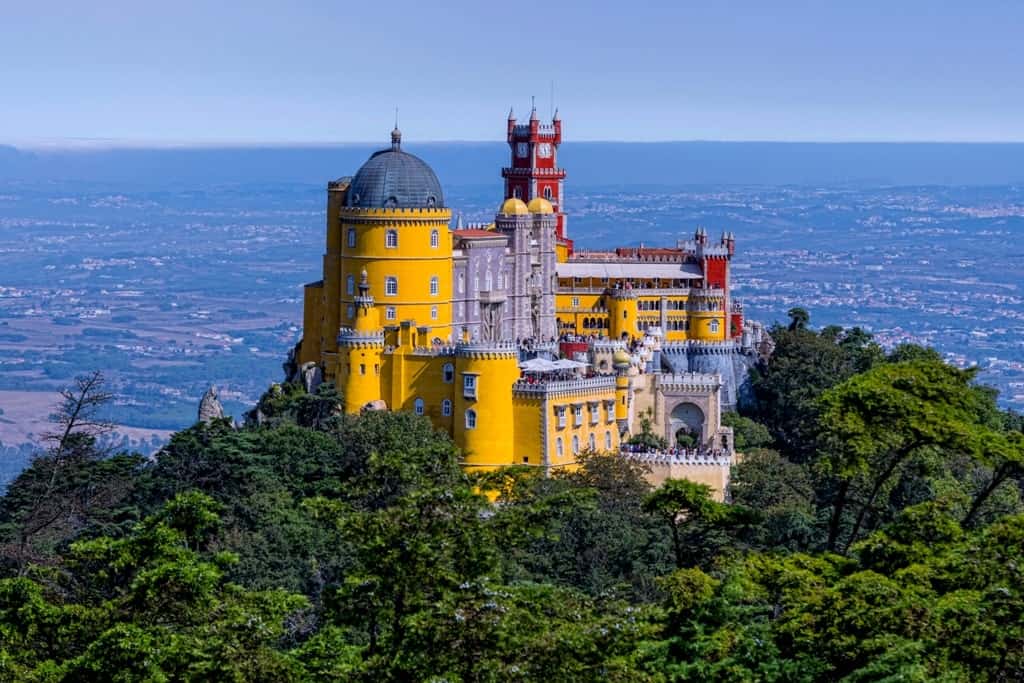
534	170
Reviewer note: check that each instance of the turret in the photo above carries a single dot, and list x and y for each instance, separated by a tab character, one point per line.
360	351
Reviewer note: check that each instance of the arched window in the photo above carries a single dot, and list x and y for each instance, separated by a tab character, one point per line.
462	283
516	193
488	282
476	283
418	406
435	286
350	284
713	326
390	313
435	239
391	239
446	408
607	441
575	445
547	193
471	419
592	443
433	312
448	373
558	447
351	237
391	286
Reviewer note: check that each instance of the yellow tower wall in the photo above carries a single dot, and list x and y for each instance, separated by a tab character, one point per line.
622	310
491	443
413	261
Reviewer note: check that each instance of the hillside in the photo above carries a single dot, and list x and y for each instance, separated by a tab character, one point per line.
874	534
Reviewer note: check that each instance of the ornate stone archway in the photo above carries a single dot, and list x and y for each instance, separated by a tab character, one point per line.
687	417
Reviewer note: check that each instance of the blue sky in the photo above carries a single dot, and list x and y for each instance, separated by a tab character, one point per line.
206	72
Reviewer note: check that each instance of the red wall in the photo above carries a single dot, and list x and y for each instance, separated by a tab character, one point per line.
715	270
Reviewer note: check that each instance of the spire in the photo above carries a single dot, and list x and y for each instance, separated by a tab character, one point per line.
458	222
511	114
396	135
533	108
556	117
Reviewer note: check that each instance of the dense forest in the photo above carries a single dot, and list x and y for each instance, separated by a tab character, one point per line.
875	533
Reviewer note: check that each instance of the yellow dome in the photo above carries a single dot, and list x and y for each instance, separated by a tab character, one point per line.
514	206
621	357
540	205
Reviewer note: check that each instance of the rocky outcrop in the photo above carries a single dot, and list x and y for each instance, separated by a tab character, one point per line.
210	408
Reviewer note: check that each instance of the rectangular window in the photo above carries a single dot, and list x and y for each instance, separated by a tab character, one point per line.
560	414
577	415
469	386
351	237
351	312
434	286
390	313
594	411
575	302
433	312
391	239
391	286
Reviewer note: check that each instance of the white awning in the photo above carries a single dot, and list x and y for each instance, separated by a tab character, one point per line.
629	270
537	365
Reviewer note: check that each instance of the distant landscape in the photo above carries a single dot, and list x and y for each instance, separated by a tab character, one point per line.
171	270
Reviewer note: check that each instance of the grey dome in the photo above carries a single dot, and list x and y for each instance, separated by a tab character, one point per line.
393	179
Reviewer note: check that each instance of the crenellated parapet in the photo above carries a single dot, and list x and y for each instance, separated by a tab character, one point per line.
350	338
698	347
398	216
690	382
497	350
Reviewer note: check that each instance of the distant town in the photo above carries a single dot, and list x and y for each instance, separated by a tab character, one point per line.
170	291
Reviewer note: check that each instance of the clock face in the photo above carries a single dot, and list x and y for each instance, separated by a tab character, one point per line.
522	150
544	150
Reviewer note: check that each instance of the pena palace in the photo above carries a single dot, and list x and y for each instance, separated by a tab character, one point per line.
525	349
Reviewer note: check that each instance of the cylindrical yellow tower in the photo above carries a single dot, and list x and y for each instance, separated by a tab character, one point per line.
622	314
483	403
361	350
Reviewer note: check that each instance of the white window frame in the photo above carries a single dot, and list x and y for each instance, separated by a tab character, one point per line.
577	415
390	313
469	386
433	312
575	444
435	285
470	419
435	239
607	440
592	443
391	286
391	239
559	450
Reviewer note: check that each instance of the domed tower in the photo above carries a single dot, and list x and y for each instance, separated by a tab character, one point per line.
390	222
